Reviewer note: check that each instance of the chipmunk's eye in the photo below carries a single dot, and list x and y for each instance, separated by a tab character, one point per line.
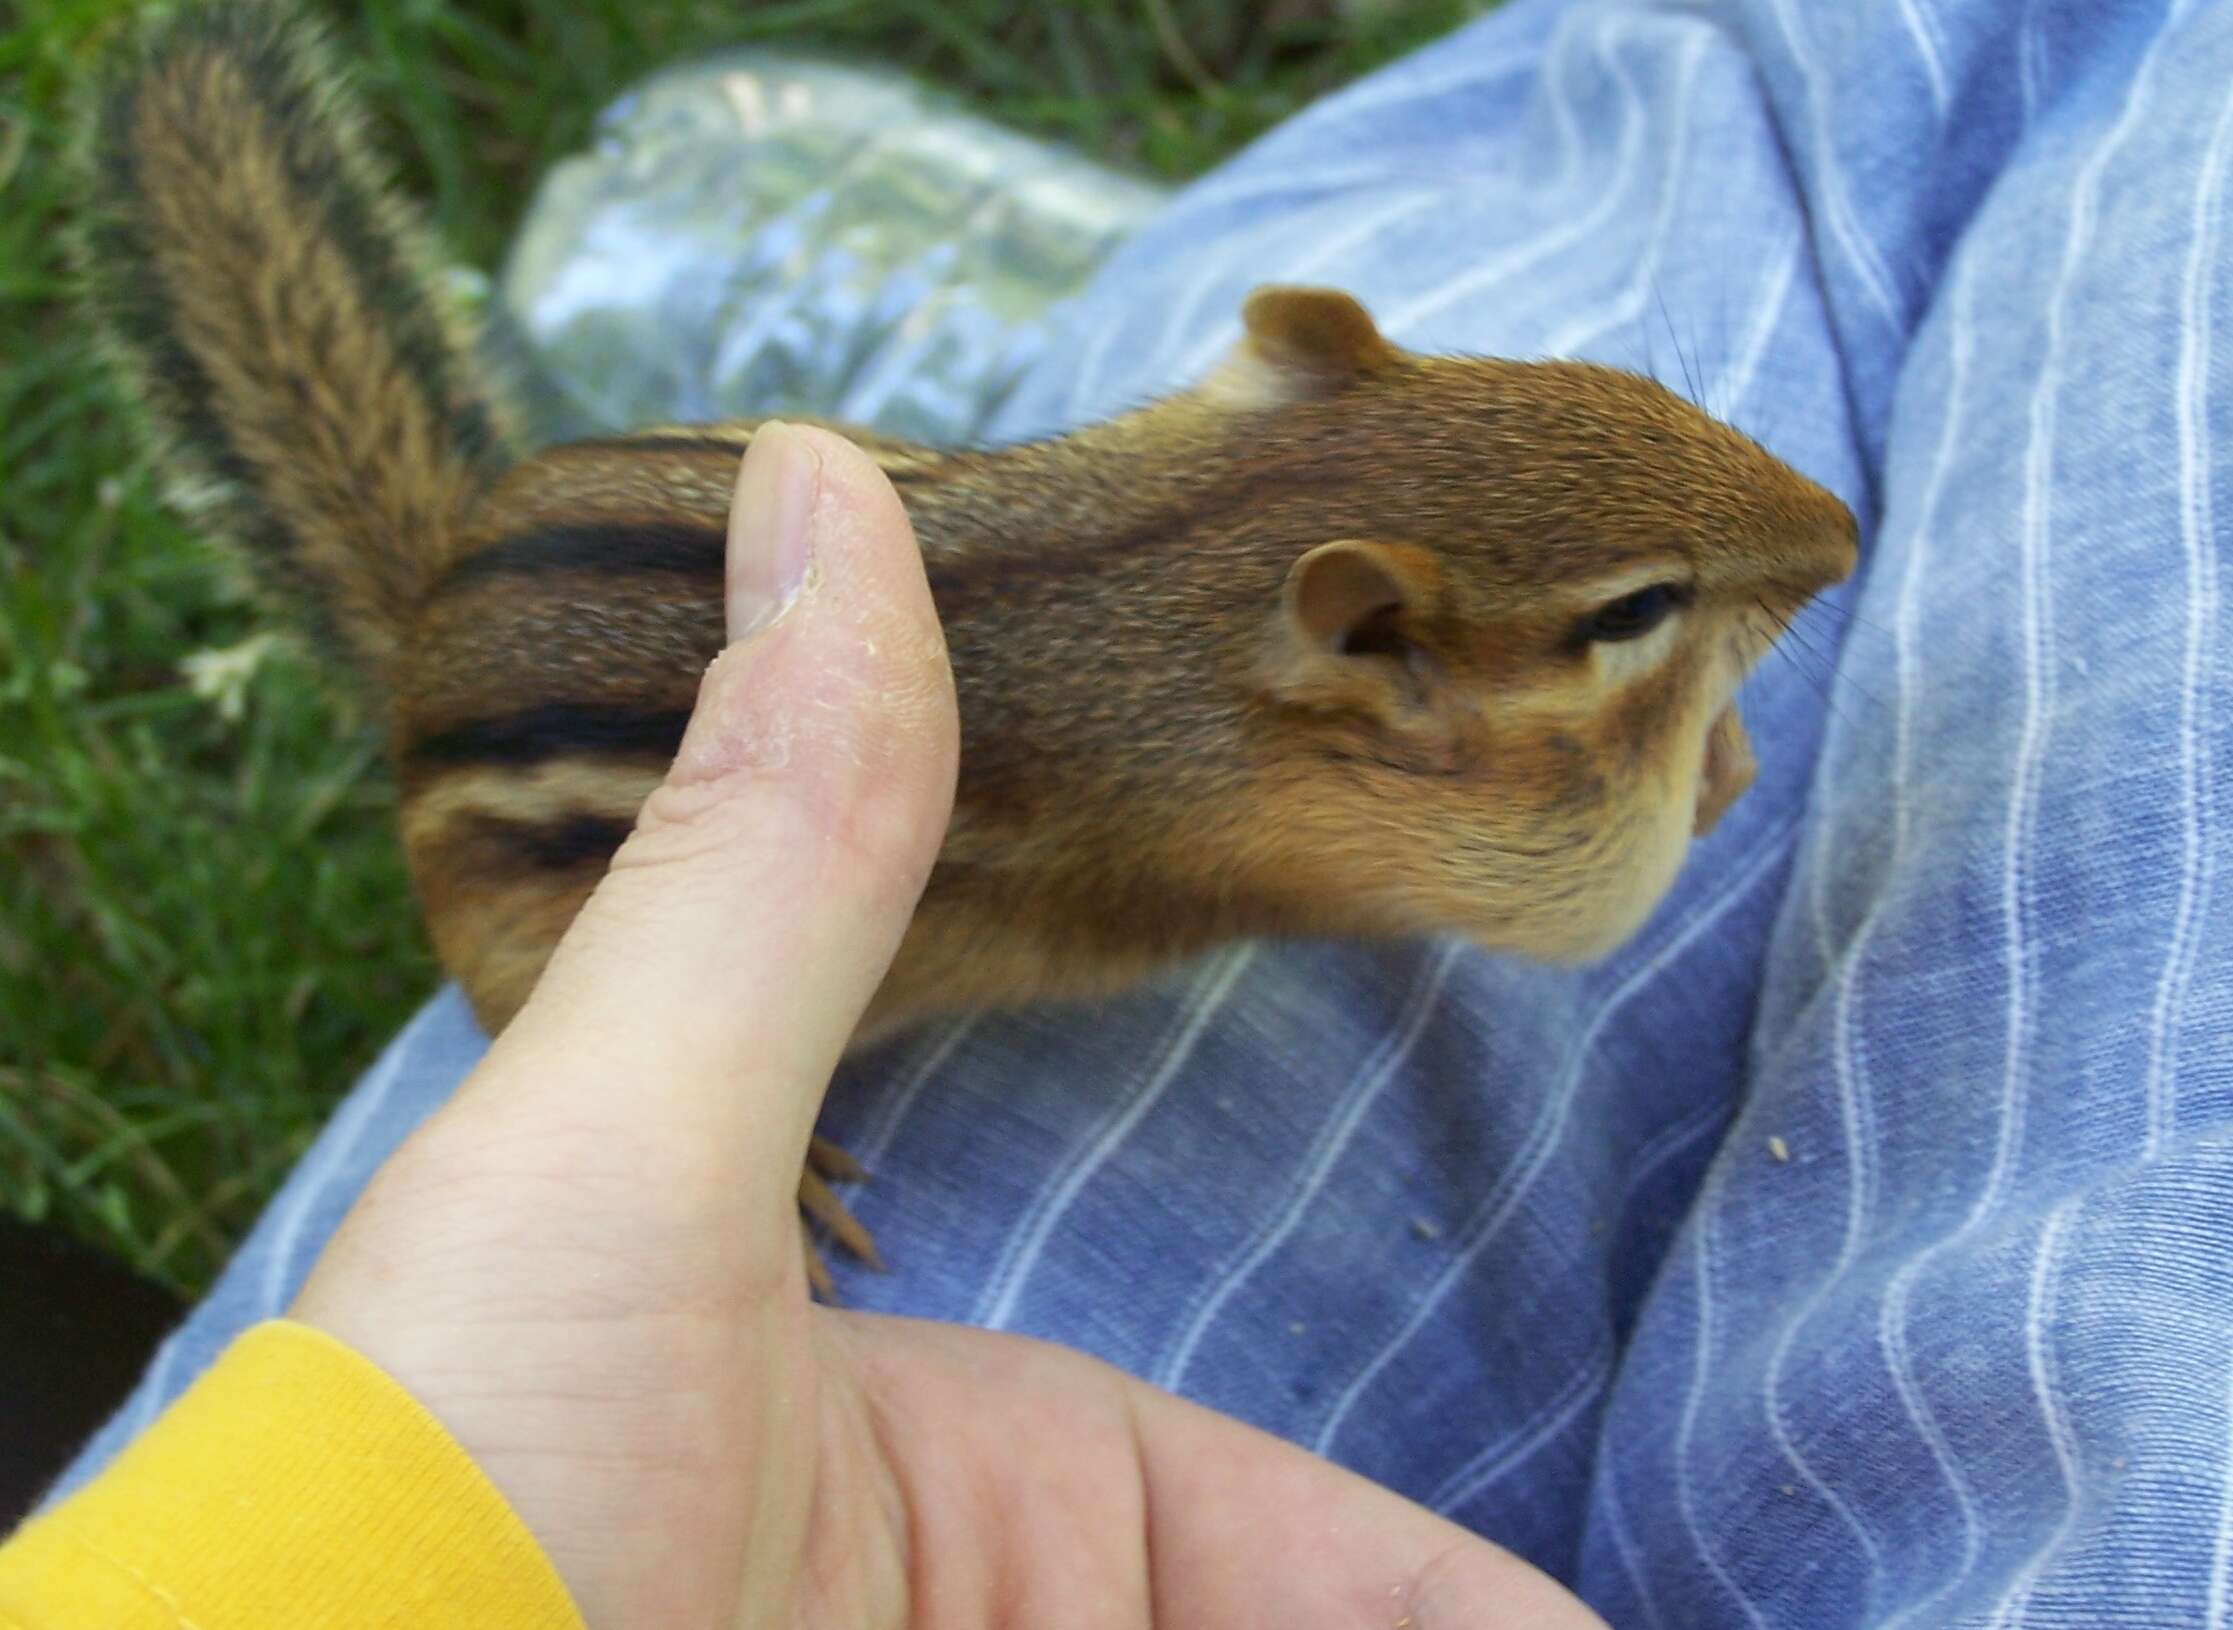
1633	616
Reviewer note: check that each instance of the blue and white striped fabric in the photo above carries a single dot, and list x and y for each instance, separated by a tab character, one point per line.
1856	1248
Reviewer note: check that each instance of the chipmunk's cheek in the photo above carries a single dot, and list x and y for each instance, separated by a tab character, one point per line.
1647	827
1655	855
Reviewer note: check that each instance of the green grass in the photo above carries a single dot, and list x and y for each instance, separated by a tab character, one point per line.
205	930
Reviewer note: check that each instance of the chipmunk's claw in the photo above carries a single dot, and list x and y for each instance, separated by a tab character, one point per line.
827	1163
818	1273
833	1162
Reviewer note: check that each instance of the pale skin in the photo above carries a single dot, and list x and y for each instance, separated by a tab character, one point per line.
588	1265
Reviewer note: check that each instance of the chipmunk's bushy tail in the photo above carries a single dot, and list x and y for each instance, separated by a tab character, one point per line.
280	315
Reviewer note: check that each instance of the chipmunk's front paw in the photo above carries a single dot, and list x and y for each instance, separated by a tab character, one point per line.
826	1163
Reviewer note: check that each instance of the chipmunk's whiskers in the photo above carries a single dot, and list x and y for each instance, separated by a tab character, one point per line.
1821	673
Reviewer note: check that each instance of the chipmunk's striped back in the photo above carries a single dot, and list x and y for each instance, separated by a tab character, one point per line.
280	315
549	674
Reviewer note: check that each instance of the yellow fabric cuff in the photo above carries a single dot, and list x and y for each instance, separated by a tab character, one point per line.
294	1484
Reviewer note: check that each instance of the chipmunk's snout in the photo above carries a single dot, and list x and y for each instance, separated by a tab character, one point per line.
1836	547
1804	548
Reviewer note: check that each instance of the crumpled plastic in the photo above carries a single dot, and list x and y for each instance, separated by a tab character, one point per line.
762	233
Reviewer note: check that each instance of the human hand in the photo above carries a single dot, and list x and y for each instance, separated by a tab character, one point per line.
588	1265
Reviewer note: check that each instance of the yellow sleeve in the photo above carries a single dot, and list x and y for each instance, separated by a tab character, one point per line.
295	1484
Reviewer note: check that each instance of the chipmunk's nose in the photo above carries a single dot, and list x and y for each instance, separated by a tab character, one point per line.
1841	543
1827	545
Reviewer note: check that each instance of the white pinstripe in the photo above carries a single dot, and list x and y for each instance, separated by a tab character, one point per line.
2060	1437
877	1142
1856	1137
1368	95
1918	20
2038	697
1556	62
1247	186
1746	368
1892	1316
2221	1555
1857	1129
1543	1138
2214	1606
1694	1397
997	1304
1891	1336
1372	95
2194	446
1405	320
1227	333
1876	282
893	1112
2197	533
2031	60
1562	114
1669	1141
1500	1457
1655	1153
2037	619
1961	349
1325	1154
1572	336
1657	1150
1624	1544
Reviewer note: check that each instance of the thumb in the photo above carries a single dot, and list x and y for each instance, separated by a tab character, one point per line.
715	976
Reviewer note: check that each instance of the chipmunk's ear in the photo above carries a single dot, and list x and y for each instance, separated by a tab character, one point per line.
1296	344
1345	596
1353	641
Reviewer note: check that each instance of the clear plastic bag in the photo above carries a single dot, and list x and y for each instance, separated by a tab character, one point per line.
764	233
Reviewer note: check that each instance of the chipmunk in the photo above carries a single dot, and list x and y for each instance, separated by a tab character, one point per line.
1344	640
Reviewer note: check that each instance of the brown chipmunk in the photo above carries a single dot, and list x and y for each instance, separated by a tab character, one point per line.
1344	641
